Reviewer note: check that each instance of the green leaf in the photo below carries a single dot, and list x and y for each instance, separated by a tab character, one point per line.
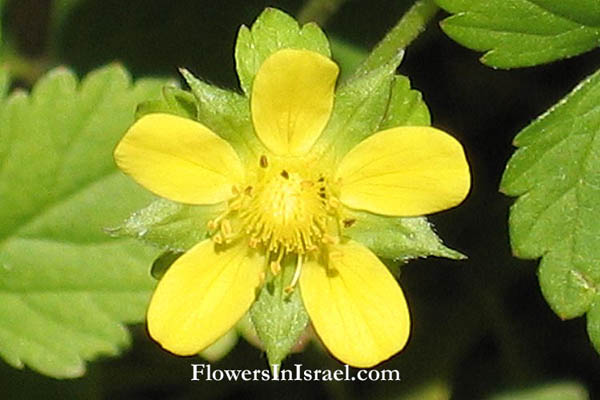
347	56
174	101
227	114
65	287
555	172
395	238
273	30
279	317
550	391
359	109
168	225
221	347
521	33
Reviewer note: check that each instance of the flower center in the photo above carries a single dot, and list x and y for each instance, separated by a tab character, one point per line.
287	212
287	209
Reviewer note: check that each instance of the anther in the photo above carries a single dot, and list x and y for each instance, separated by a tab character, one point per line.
348	222
285	174
264	162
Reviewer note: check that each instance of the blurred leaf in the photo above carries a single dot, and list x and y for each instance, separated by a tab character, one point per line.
521	33
433	390
556	173
395	238
61	10
279	317
168	225
221	347
273	30
347	56
65	287
551	391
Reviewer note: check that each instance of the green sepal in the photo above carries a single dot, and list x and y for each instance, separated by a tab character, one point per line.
168	225
279	317
555	174
273	30
521	33
396	238
174	101
227	114
163	263
406	106
360	106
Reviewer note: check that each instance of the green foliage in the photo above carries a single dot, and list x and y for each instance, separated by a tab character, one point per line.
168	225
278	316
273	30
227	114
174	101
521	33
398	239
555	172
65	288
552	391
359	109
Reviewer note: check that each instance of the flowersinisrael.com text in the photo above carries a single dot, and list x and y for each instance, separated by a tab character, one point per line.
205	372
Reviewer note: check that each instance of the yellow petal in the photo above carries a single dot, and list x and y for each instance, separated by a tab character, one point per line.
202	295
292	98
179	159
356	306
405	171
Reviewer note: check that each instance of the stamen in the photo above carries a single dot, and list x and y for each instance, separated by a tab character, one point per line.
276	265
290	288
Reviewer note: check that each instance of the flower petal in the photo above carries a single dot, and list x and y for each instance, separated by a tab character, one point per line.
202	295
292	99
356	305
179	159
405	171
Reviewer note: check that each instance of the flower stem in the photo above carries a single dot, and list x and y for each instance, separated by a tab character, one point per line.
401	35
318	11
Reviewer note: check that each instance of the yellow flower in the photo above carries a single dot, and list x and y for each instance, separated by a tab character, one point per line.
289	203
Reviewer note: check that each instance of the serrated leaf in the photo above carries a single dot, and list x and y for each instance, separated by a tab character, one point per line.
273	30
521	33
65	287
227	114
359	109
279	317
395	238
174	101
168	225
556	173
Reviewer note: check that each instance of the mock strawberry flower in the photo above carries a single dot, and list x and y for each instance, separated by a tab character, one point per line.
286	204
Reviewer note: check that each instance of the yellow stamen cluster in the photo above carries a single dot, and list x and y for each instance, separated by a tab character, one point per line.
288	210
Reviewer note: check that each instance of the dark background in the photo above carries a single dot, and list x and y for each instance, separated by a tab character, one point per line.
481	325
